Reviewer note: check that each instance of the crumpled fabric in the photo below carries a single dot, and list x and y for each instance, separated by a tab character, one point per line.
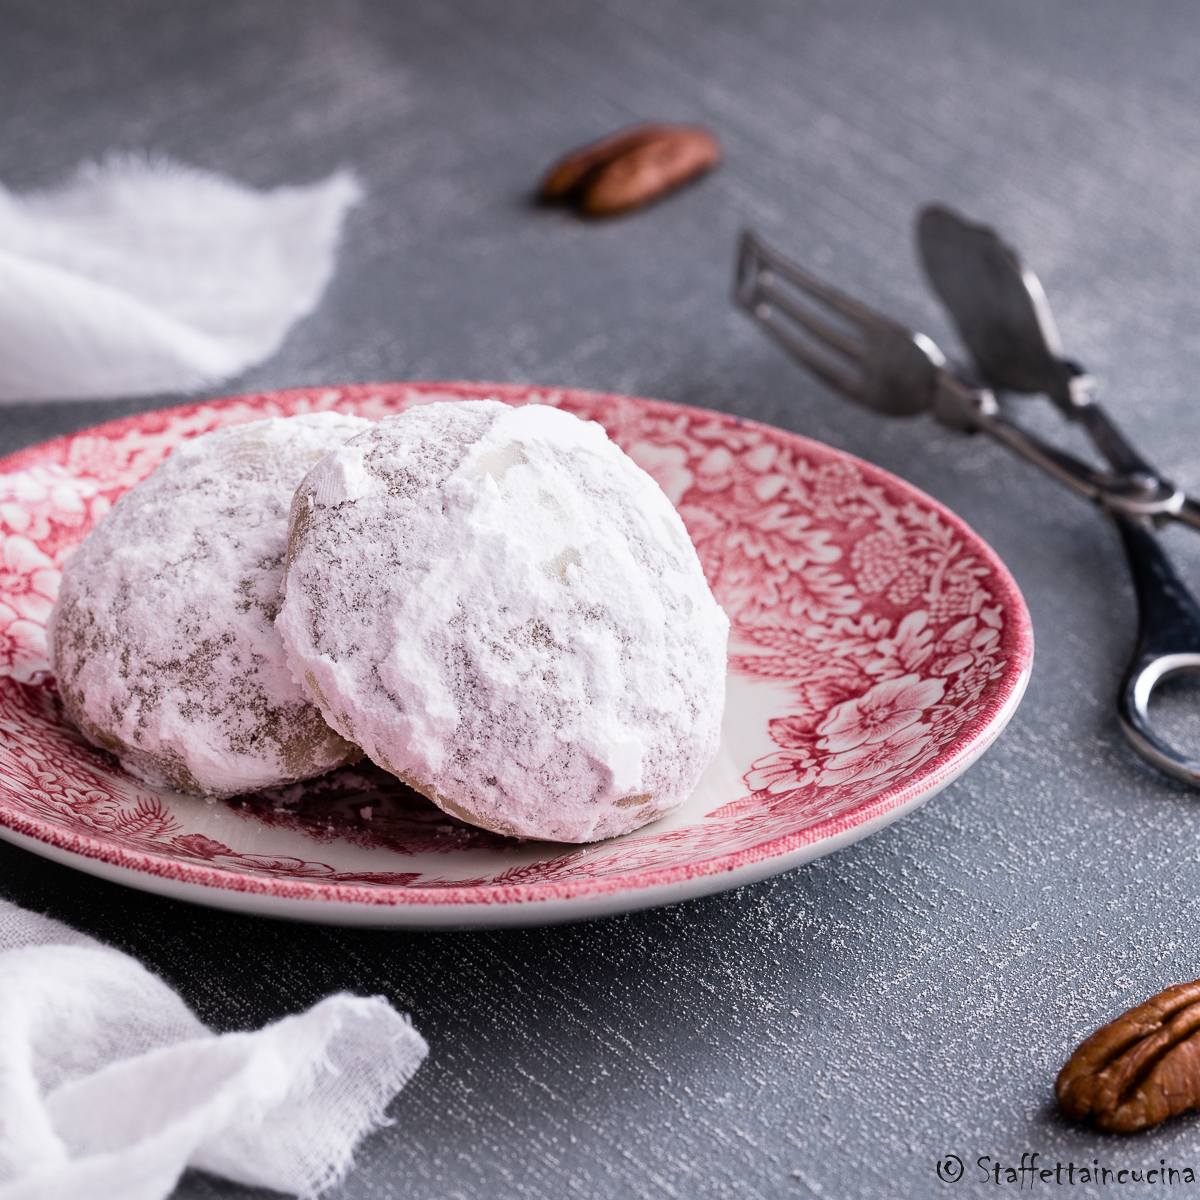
110	1087
143	276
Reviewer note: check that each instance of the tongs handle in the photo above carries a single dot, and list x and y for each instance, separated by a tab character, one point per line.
1004	318
1168	644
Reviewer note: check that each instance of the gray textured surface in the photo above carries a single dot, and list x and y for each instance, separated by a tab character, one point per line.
834	1031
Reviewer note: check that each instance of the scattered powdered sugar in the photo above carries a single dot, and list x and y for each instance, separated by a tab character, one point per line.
506	612
163	636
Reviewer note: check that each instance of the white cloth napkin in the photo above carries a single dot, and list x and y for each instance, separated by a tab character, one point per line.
143	276
110	1087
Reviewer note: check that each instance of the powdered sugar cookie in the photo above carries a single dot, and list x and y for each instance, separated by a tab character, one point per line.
506	612
163	636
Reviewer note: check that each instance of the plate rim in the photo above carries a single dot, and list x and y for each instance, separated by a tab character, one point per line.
838	831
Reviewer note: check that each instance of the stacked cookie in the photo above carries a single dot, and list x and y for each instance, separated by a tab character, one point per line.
494	603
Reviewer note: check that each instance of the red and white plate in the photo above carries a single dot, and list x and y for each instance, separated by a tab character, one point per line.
878	647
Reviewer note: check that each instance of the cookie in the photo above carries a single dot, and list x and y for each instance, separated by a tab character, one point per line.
506	612
163	637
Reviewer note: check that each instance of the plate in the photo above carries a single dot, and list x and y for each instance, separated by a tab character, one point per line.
878	647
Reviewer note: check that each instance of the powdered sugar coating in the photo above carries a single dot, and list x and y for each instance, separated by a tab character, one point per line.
163	636
506	612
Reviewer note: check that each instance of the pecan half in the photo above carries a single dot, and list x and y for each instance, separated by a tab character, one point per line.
563	179
1139	1069
630	168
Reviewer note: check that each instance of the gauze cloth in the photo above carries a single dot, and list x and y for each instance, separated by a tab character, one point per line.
110	1087
142	276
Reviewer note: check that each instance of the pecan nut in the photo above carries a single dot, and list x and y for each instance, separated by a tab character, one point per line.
1139	1069
563	180
630	168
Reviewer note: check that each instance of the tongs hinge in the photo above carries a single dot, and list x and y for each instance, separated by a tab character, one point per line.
1139	493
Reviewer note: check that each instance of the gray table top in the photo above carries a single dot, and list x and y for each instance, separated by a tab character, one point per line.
835	1030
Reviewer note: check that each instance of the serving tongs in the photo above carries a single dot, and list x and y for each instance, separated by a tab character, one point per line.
1004	320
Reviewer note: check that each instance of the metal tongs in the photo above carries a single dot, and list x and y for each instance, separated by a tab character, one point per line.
1004	320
